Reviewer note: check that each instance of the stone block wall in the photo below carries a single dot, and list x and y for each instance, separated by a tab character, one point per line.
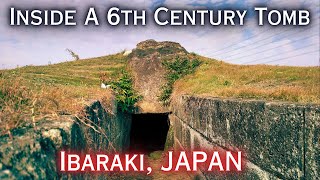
280	140
31	153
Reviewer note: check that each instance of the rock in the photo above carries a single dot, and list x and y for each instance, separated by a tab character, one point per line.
55	136
146	65
32	153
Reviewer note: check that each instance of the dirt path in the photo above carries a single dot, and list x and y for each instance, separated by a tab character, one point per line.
155	161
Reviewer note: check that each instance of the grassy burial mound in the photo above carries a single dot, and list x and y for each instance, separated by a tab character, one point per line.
265	82
34	92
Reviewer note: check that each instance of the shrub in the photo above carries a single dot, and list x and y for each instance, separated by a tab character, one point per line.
126	96
176	69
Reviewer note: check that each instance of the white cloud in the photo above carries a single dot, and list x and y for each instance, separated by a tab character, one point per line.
39	45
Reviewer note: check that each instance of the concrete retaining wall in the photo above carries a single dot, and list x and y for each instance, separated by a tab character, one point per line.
281	140
31	154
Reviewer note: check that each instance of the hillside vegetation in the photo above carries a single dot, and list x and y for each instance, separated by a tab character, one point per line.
281	83
35	92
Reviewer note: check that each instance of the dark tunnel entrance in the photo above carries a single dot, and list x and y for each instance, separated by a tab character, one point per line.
148	132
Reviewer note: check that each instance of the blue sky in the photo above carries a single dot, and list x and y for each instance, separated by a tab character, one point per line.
248	44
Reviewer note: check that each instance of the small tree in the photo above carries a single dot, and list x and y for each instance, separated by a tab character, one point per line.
126	96
73	54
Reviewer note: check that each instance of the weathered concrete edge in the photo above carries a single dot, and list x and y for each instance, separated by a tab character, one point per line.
297	114
193	139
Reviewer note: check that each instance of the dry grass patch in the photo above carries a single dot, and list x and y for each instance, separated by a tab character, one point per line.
31	93
21	104
284	83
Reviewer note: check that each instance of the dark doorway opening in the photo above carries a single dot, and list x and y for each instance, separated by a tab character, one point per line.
148	132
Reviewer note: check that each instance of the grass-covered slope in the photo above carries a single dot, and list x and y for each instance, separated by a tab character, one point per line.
34	92
283	83
86	72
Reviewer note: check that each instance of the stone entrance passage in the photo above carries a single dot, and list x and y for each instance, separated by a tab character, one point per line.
148	132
